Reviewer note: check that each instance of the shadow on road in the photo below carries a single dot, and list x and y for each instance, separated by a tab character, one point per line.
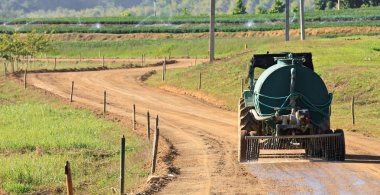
358	158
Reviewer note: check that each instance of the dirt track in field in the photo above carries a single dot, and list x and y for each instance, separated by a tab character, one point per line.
206	137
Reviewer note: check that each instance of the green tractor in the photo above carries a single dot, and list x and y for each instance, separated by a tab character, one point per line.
287	109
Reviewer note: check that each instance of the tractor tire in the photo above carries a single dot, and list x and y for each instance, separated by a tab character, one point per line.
341	150
247	126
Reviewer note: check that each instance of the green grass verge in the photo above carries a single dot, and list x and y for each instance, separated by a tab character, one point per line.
38	134
349	68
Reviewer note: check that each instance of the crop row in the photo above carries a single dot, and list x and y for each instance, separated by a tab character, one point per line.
183	29
371	13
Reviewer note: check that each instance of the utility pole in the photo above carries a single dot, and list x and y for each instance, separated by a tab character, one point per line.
154	7
338	4
212	31
286	20
302	20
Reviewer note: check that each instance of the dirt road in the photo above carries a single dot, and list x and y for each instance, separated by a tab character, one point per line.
205	137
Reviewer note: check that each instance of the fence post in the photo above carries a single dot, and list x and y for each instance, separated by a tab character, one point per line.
25	73
242	85
353	110
246	46
80	57
148	125
72	91
195	61
122	165
134	116
103	64
164	70
105	103
5	70
165	65
142	60
55	63
69	182
155	146
200	81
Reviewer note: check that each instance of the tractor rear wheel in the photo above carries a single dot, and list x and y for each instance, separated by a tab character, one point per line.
247	126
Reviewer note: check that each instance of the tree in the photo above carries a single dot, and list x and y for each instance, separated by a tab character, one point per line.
185	12
295	8
239	8
277	7
13	47
260	9
320	4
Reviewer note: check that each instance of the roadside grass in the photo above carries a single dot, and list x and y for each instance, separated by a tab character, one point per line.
38	134
349	67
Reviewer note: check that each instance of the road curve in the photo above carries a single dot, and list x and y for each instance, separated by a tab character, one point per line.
205	137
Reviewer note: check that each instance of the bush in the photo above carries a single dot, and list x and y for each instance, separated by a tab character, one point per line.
261	10
277	7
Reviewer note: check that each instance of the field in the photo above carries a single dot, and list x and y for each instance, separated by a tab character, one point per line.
348	66
193	24
38	134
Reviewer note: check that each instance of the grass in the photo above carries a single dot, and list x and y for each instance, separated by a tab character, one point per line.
38	135
151	48
349	67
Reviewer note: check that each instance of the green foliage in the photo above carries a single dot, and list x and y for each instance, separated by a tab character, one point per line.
185	12
295	8
277	7
239	8
260	9
330	4
126	14
13	46
320	4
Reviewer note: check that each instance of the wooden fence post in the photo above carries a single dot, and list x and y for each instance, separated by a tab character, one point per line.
80	57
165	65
5	70
155	147
142	60
105	103
164	70
245	46
103	64
72	91
242	85
55	63
195	61
122	165
353	110
69	182
148	125
134	116
25	73
200	81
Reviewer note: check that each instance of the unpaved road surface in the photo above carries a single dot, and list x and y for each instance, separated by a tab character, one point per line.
205	137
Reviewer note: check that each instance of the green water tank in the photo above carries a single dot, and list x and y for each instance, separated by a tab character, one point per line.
273	86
